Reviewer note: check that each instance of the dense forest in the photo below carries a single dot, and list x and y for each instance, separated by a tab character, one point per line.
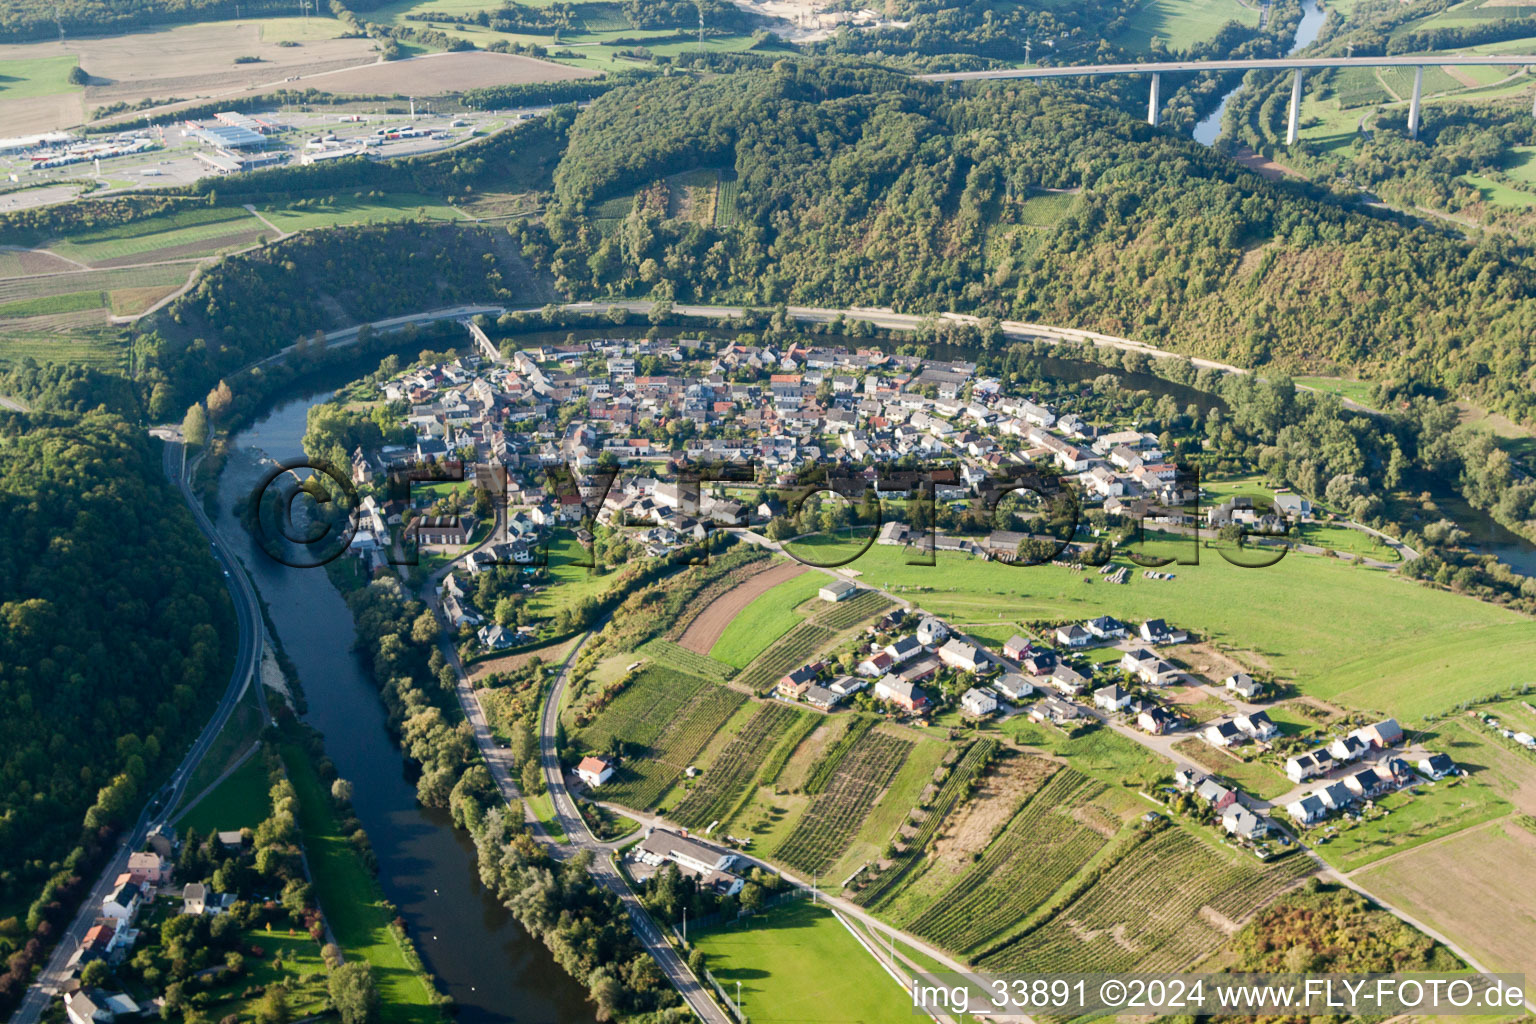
859	186
115	632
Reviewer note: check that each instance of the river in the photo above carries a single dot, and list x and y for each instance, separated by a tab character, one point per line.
493	970
1312	18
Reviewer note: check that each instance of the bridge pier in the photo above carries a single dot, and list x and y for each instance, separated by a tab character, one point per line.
1155	103
1295	113
1413	107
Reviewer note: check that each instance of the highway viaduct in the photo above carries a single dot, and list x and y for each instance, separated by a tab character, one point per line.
1299	66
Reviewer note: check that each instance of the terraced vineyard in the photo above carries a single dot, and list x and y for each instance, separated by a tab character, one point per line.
1036	853
954	789
834	816
1153	911
864	605
671	655
726	782
644	778
791	650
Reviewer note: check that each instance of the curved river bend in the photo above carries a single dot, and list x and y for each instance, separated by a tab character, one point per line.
494	971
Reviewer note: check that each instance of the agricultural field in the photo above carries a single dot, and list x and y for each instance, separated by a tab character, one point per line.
1348	634
1168	901
851	611
767	618
836	812
664	719
711	611
1048	841
726	782
1463	884
131	67
912	848
795	648
1180	24
797	961
668	653
199	231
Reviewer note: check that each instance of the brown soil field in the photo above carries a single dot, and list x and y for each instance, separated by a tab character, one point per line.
1264	166
202	247
133	301
25	262
1468	887
705	629
549	652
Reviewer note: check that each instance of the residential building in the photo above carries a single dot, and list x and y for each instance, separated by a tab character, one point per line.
1112	697
594	771
1244	685
900	692
978	703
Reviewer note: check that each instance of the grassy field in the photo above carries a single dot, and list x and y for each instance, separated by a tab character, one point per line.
352	901
1465	885
1360	636
1045	209
766	619
240	801
1355	390
1182	23
573	579
68	302
797	962
38	76
1101	753
1345	541
233	740
358	210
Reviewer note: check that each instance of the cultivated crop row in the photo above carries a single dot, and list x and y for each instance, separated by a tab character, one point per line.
647	776
834	817
790	651
674	656
1042	847
716	795
866	604
795	735
1146	913
825	766
651	701
955	788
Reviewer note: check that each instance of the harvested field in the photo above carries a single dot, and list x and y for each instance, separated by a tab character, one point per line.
15	289
1263	166
1002	788
1463	884
202	247
705	629
23	262
438	73
132	67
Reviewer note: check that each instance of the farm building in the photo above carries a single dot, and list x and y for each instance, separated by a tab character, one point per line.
837	590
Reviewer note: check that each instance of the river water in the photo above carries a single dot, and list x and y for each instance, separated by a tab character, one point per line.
492	968
1312	18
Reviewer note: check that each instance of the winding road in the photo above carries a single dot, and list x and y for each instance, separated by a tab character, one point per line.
162	806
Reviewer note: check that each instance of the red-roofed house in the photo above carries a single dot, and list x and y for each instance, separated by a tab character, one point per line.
594	771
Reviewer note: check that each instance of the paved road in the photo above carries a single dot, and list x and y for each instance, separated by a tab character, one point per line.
1260	64
602	866
160	807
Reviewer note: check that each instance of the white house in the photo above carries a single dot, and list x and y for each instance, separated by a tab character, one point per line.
1013	685
1257	725
978	702
1223	734
1073	635
1240	821
1112	697
122	903
594	771
1244	685
1306	810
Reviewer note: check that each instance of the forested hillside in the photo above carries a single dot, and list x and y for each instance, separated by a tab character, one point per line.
111	619
859	186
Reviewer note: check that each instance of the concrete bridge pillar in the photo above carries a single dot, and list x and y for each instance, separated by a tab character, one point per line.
1413	107
1155	102
1295	115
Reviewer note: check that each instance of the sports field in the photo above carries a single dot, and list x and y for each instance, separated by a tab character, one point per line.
1359	636
767	618
796	962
